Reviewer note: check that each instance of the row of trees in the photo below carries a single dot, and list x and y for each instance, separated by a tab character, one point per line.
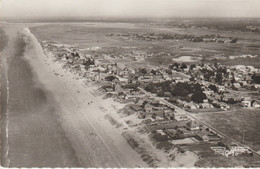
183	90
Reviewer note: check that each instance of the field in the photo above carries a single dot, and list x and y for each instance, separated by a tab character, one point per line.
105	37
232	123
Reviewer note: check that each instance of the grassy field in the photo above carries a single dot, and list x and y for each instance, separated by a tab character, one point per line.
232	123
87	35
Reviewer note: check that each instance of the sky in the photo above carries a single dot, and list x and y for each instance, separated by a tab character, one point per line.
130	8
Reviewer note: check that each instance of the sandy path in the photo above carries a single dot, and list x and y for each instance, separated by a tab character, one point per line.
93	138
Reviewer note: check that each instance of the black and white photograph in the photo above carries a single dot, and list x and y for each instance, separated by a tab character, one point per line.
130	83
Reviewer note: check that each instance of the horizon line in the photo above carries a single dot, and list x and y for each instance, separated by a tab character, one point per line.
126	17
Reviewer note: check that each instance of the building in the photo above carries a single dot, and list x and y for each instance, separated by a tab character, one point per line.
236	86
205	105
181	117
118	88
203	136
246	103
136	108
148	107
193	125
207	137
255	104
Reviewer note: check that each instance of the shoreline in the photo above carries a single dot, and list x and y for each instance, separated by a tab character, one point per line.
77	104
56	68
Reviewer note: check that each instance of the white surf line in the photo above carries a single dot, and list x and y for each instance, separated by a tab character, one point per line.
7	119
7	111
7	123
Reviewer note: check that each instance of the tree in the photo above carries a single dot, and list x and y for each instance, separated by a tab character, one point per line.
219	78
160	93
151	87
234	40
192	78
208	74
172	117
143	71
183	66
198	97
256	78
233	80
154	115
169	71
197	88
213	87
110	78
153	72
192	66
179	91
177	65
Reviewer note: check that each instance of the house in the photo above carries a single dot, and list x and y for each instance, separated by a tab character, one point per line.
205	105
229	97
246	103
257	86
168	94
208	92
140	102
143	115
136	108
243	83
221	89
227	143
255	104
213	137
207	137
109	90
181	117
148	107
203	136
236	85
193	125
118	88
190	106
220	105
122	81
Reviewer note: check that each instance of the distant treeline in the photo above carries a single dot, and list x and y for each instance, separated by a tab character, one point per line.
220	24
78	19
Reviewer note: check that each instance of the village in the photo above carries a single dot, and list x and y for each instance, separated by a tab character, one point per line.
191	38
162	99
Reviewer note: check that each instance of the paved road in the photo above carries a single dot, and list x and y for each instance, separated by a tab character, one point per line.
179	110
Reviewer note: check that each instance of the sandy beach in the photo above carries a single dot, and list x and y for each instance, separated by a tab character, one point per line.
93	138
84	118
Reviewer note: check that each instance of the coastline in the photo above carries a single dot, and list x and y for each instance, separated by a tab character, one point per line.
105	108
79	117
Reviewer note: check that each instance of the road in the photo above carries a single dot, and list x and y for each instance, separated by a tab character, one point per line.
44	123
182	111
